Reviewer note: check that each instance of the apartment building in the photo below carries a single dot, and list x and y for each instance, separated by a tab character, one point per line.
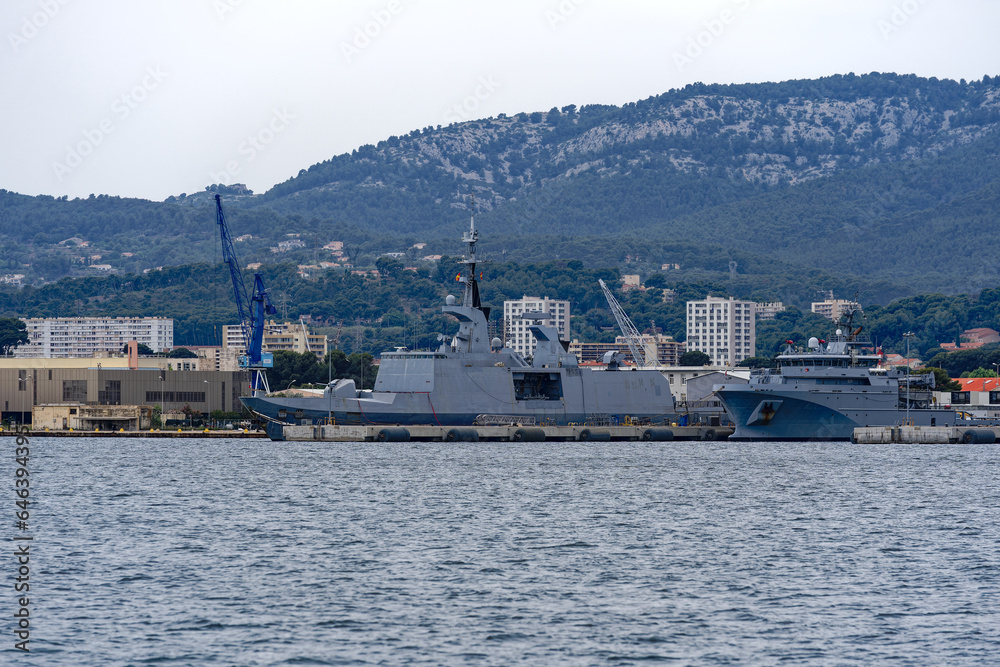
724	329
292	336
556	314
68	337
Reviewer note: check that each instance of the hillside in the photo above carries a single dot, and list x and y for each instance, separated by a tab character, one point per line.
880	176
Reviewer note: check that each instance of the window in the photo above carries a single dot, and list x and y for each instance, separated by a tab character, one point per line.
994	397
75	390
961	398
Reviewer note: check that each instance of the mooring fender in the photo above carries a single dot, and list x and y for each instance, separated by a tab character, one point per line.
529	435
393	435
658	434
462	435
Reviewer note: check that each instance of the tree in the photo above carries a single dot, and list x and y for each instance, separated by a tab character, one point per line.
13	332
979	373
758	362
182	353
146	351
694	358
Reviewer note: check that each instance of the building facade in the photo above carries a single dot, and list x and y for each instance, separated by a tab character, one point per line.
516	327
668	351
38	383
291	336
724	329
68	337
834	308
768	311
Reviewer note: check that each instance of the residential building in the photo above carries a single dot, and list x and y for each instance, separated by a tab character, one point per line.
631	282
668	351
556	314
834	308
768	311
93	336
292	336
724	329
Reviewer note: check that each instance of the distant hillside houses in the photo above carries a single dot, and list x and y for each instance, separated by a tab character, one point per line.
972	339
285	246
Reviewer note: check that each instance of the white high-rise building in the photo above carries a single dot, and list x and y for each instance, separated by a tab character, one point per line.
516	329
93	336
724	329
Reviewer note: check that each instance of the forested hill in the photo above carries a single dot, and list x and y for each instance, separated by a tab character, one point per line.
737	139
884	176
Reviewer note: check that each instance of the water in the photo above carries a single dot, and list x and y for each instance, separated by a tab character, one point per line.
248	552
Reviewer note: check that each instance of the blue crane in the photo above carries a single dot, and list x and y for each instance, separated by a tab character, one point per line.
252	309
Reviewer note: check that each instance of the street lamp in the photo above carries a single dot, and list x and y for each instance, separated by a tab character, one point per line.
908	335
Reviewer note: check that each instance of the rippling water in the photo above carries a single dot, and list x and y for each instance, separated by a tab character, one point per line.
248	552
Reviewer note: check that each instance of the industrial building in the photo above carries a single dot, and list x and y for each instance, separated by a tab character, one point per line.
110	381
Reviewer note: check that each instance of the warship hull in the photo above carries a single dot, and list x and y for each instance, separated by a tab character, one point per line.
817	415
449	393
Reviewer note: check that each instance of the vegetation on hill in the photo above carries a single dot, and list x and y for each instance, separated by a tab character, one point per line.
880	176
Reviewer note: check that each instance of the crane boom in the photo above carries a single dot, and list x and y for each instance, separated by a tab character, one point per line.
629	332
252	309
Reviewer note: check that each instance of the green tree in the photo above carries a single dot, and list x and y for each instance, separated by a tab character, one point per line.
979	373
182	353
13	332
694	358
758	362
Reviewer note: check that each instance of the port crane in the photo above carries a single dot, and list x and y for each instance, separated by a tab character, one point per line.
252	308
640	354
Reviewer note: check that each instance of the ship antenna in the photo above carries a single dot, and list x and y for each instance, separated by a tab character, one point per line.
471	296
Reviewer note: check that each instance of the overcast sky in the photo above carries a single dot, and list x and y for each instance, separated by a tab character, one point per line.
153	98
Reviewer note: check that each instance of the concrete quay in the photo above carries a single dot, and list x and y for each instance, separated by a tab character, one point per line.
872	435
345	433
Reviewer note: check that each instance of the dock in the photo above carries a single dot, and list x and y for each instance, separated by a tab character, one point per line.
165	433
345	433
929	435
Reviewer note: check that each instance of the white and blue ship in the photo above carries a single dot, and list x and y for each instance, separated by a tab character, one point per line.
827	390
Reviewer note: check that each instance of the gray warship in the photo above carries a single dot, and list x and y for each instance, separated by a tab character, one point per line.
827	390
472	378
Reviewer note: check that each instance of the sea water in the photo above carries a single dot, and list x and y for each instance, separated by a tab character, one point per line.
251	552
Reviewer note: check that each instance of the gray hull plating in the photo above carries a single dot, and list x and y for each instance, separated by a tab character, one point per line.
470	375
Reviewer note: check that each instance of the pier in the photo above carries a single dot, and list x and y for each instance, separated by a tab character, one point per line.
345	433
929	435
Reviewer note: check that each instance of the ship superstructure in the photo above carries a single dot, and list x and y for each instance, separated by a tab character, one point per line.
827	390
473	376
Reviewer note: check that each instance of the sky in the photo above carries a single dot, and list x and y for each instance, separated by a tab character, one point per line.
153	98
